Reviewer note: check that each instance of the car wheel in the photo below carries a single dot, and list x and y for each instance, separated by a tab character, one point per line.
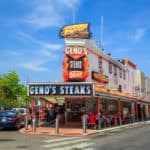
17	125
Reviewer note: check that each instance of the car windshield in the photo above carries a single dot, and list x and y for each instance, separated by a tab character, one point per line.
22	110
7	113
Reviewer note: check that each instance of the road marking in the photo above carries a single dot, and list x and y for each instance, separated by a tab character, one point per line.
60	139
63	143
68	144
116	130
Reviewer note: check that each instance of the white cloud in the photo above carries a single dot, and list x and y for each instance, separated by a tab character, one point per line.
49	13
34	67
12	53
138	35
26	37
34	64
70	3
34	60
124	50
46	54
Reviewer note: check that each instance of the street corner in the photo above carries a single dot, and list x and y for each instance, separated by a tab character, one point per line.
25	131
62	132
29	131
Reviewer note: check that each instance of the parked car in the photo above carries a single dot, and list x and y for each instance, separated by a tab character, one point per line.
24	112
11	118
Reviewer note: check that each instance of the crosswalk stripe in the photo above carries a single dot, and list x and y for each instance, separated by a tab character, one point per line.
64	143
60	139
81	146
74	148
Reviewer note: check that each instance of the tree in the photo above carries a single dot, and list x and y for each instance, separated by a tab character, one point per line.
12	94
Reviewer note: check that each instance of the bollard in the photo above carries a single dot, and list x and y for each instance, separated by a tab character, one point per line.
26	122
120	123
39	121
99	124
142	117
57	125
33	125
66	117
84	124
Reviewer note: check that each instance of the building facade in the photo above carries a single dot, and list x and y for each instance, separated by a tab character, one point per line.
95	82
140	84
147	87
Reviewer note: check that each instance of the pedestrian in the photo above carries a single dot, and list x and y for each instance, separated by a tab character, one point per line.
98	120
85	116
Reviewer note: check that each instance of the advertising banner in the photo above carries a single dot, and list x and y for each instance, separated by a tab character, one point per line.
75	64
79	31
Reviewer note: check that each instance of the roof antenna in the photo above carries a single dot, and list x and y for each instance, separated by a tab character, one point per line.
73	15
101	35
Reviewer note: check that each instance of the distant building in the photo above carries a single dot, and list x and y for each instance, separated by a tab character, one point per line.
131	72
147	87
140	84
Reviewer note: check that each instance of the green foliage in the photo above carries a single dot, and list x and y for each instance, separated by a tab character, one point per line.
12	94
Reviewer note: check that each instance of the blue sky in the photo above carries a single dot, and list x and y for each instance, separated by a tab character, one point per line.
29	33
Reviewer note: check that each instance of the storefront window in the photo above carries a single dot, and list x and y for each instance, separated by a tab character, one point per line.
112	107
76	106
103	106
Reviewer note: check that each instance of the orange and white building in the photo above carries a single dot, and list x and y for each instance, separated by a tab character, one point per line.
93	80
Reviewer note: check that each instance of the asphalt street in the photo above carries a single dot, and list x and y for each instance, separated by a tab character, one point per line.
130	138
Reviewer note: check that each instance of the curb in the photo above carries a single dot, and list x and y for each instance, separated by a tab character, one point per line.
29	131
123	126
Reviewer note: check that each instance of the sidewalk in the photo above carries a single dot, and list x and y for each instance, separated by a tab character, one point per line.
72	129
69	129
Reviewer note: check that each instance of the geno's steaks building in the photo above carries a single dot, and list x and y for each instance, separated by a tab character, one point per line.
92	80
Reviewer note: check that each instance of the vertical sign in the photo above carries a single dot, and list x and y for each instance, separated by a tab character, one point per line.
75	64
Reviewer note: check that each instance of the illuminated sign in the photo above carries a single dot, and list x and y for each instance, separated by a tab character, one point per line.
76	51
99	77
80	31
75	64
55	89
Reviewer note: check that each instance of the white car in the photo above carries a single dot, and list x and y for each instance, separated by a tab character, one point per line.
23	111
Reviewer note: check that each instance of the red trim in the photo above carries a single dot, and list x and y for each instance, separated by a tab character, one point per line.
119	107
32	107
98	104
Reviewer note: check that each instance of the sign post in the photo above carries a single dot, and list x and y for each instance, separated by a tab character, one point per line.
57	125
26	121
84	124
